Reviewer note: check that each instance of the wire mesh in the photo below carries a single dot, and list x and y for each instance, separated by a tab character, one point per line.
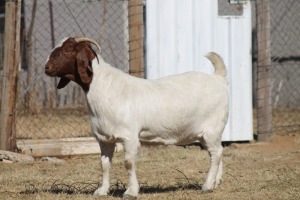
45	112
42	110
285	44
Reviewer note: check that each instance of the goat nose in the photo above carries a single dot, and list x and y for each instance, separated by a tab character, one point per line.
48	68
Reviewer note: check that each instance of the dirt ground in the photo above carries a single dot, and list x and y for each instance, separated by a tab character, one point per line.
251	171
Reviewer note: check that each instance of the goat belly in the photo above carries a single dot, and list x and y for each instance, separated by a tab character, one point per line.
167	138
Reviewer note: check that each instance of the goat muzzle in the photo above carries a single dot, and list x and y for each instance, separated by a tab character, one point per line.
49	70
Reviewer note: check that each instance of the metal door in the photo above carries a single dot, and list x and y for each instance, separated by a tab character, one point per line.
180	32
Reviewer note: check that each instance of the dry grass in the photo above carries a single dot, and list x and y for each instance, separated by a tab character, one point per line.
251	171
284	121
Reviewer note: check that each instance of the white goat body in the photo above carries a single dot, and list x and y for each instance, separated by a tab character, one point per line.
178	109
172	110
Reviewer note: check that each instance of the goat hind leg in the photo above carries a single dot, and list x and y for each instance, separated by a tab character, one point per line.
219	174
215	172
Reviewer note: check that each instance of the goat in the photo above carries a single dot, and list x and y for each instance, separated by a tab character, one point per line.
175	110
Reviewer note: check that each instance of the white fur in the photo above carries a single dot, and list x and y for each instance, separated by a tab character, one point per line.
178	110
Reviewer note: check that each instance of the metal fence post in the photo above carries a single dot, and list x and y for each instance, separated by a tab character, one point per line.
136	51
10	75
264	98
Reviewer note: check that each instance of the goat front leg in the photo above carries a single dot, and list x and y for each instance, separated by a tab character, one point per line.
131	150
107	151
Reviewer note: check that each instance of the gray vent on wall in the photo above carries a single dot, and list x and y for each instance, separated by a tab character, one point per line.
230	7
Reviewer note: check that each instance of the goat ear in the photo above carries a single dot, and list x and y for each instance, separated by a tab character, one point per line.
63	82
84	69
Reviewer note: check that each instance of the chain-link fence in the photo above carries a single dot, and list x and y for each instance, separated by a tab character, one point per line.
285	44
285	68
42	110
45	112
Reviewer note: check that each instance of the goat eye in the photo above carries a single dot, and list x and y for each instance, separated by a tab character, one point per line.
67	52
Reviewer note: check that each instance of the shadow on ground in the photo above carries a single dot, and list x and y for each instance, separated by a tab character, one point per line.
89	188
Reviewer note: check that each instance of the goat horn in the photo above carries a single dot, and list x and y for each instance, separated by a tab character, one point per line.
85	39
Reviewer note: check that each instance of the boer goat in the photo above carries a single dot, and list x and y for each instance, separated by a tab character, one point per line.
175	110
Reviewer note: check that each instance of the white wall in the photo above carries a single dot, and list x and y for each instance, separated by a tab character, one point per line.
179	34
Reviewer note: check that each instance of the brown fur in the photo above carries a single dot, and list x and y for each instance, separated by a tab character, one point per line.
73	60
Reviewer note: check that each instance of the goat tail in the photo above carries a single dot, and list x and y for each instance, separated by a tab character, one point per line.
217	61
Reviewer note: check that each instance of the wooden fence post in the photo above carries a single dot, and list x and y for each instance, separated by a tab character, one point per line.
264	97
32	69
10	75
136	26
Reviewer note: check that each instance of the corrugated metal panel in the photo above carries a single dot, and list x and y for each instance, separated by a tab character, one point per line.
181	32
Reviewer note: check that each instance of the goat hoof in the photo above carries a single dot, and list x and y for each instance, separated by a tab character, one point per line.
99	192
206	189
218	182
129	197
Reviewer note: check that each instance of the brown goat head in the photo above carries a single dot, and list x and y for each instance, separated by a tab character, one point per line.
71	60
